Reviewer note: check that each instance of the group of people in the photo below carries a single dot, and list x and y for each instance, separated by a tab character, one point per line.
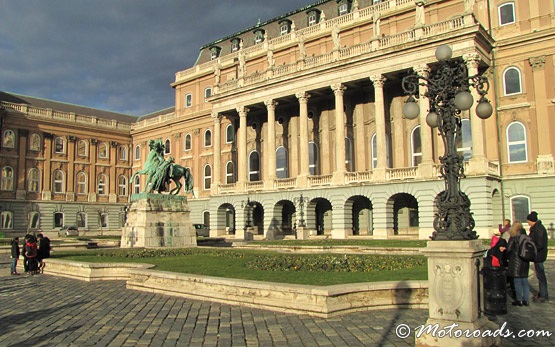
34	250
506	250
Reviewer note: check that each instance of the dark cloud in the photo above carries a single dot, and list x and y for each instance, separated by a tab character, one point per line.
115	55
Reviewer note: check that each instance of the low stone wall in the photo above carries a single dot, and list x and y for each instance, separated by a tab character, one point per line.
301	299
331	249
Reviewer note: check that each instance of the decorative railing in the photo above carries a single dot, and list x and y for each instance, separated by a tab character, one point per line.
357	177
319	180
285	69
285	183
69	117
493	168
401	173
257	185
359	49
227	188
255	77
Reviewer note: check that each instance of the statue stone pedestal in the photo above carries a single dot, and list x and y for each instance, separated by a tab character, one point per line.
157	220
454	295
302	233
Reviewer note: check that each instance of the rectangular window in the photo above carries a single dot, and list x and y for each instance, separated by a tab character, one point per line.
507	13
188	100
343	9
311	19
284	29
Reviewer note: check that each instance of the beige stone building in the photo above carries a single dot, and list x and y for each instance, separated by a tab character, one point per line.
62	164
300	118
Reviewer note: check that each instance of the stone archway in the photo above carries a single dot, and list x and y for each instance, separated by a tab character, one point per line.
405	214
284	218
360	212
225	220
319	216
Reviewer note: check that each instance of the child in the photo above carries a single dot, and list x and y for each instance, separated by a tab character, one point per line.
15	255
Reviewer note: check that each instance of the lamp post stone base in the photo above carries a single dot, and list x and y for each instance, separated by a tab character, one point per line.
455	296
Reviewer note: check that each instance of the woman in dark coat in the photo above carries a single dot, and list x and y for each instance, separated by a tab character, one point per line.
518	268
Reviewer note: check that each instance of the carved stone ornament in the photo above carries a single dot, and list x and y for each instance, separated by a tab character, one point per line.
448	283
537	63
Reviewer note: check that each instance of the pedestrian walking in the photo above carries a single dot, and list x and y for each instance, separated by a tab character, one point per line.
538	233
43	252
15	255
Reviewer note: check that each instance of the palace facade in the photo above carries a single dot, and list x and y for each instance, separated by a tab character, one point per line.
298	120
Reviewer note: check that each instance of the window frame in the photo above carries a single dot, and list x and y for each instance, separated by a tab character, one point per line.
229	138
230	176
207	92
167	146
137	185
525	210
103	148
188	100
255	173
60	182
85	151
464	150
514	143
60	222
122	153
7	181
349	156
59	142
78	220
207	138
188	143
505	84
32	140
500	17
33	180
122	185
9	135
6	220
282	171
102	184
343	8
137	153
416	157
81	181
314	164
207	177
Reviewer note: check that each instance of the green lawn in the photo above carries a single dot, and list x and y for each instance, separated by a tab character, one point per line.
347	242
233	264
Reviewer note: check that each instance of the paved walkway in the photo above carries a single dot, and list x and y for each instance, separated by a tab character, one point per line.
44	310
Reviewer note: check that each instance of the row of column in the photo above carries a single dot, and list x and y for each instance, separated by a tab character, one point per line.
339	89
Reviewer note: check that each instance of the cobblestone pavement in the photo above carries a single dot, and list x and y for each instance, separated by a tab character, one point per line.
45	310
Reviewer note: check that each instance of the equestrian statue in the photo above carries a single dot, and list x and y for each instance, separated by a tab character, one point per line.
160	172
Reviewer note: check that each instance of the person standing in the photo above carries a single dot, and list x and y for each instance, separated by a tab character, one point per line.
518	267
15	255
539	236
43	244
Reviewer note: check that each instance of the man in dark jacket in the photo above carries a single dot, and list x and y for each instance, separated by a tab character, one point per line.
539	235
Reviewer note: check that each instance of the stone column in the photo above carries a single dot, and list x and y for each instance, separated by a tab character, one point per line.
453	270
425	169
113	176
242	148
47	174
545	163
70	191
339	172
92	171
477	163
217	151
379	113
20	183
303	146
270	155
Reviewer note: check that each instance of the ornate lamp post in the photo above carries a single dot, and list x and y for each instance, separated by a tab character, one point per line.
448	93
248	205
301	201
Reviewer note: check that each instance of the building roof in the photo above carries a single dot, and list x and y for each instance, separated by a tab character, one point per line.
157	113
65	107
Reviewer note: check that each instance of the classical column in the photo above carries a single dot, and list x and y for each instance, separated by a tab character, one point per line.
270	157
339	90
425	169
92	171
113	175
242	146
70	191
545	142
21	189
379	113
47	173
303	124
216	174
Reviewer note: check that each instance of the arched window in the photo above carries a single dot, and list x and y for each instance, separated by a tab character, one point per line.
9	139
34	220
207	92
230	172
59	145
103	219
82	148
281	162
58	181
229	134
35	143
7	219
136	185
463	141
81	183
167	146
254	166
188	100
207	177
33	180
207	138
188	144
102	183
81	219
103	150
512	82
122	153
517	150
137	153
7	178
122	186
58	219
206	218
506	13
313	161
520	207
416	146
349	163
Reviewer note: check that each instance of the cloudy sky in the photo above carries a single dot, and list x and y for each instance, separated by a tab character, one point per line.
115	55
